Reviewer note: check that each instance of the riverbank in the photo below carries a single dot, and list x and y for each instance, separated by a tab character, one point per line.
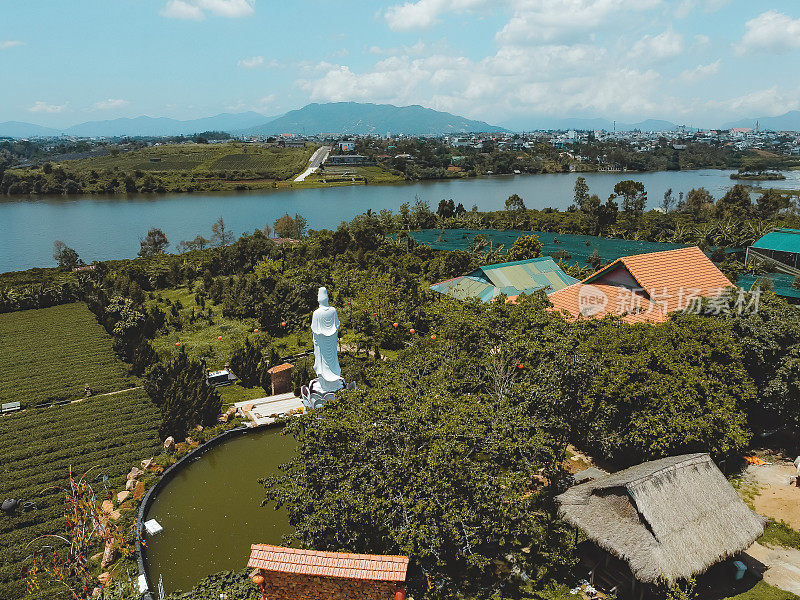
759	177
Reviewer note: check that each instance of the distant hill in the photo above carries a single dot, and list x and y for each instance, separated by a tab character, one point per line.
789	121
366	118
18	129
156	126
597	124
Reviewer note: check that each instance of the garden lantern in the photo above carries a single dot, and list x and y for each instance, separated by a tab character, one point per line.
258	579
433	337
255	330
283	323
411	331
177	343
219	337
396	324
520	366
400	593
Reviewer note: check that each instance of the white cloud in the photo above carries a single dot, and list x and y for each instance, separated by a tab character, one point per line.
701	72
709	6
260	105
425	13
43	107
770	101
770	32
251	63
658	47
110	103
10	44
196	10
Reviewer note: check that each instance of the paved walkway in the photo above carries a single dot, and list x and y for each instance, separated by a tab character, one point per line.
265	411
316	160
782	564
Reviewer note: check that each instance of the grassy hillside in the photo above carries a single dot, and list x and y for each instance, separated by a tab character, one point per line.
168	168
49	354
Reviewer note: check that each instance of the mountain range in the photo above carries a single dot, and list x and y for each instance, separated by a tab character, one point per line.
355	119
789	121
366	118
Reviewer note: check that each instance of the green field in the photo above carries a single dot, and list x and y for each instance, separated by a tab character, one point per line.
168	168
49	354
109	434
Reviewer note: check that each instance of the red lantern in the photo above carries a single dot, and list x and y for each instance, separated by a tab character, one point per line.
433	337
258	579
520	366
283	323
400	593
396	324
449	341
411	331
374	314
219	337
348	303
255	330
177	343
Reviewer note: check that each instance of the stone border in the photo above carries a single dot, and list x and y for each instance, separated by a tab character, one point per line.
165	478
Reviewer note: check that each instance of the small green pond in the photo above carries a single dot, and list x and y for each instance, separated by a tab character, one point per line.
211	511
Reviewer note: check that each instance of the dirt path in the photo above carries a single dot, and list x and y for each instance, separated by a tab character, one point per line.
778	497
782	564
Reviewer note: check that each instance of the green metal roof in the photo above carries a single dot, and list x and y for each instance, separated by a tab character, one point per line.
782	240
511	279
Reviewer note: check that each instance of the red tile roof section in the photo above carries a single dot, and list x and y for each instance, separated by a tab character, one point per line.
279	368
328	564
670	280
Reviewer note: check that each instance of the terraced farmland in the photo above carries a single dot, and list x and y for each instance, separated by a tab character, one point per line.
109	434
49	354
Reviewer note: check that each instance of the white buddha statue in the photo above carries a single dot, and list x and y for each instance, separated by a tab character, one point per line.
325	327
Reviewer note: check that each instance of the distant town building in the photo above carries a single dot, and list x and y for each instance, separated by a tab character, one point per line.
347	146
348	159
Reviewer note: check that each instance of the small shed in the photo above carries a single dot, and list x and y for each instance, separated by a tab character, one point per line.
782	246
660	522
293	574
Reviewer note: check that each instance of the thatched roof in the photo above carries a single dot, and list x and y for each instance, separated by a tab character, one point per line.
669	519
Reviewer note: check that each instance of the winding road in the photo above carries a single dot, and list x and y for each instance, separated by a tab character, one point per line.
314	163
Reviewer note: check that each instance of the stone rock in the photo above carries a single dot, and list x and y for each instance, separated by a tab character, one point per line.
114	515
104	578
135	473
199	428
147	464
130	484
122	496
138	491
96	592
169	444
109	554
107	506
97	556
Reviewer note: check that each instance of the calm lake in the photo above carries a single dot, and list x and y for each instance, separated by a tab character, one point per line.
102	228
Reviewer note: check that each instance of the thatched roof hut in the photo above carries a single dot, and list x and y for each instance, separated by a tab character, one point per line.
668	519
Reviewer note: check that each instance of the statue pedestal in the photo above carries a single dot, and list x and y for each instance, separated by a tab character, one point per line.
313	396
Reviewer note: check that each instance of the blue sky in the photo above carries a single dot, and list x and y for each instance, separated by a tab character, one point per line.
697	62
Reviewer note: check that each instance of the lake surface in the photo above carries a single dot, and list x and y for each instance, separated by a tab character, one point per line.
211	511
102	228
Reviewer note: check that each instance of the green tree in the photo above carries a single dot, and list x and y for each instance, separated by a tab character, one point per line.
770	202
246	362
514	202
581	193
66	257
180	389
736	202
699	202
525	247
411	467
220	233
155	242
288	227
634	197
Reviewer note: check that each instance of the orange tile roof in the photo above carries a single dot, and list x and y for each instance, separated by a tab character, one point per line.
668	281
279	368
328	564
